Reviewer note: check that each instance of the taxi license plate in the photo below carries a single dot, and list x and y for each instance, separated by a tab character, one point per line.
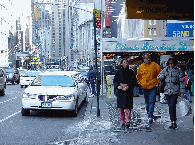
46	105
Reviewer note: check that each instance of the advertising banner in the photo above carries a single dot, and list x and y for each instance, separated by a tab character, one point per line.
180	29
148	46
36	13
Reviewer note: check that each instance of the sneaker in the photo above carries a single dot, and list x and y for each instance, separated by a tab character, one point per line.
150	120
91	96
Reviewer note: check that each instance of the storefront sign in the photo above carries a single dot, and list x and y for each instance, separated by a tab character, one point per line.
141	46
180	29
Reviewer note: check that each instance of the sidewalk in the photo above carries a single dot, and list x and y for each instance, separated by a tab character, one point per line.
106	129
108	124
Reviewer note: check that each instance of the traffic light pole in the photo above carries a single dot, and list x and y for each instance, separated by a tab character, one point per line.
95	46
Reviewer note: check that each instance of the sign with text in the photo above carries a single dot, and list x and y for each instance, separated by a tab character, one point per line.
180	29
97	18
160	10
144	46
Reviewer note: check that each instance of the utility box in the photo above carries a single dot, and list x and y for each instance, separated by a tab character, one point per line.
111	79
111	82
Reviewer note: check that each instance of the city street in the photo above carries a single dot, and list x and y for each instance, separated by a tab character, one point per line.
50	127
38	128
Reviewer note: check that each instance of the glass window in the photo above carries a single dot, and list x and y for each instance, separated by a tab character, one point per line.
31	74
53	80
150	31
10	70
155	33
154	22
150	22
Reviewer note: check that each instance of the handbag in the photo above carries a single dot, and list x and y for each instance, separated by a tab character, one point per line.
185	108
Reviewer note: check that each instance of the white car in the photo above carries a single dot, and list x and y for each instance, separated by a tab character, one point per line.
51	70
22	72
59	90
28	77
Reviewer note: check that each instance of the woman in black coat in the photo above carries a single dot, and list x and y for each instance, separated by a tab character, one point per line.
124	81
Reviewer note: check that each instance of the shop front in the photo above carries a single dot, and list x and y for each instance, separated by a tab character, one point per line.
160	48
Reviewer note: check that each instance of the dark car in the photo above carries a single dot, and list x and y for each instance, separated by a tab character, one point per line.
12	75
2	82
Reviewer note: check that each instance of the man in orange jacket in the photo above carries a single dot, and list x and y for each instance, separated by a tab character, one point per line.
147	78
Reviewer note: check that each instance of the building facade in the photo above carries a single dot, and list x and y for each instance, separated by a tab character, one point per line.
132	28
85	54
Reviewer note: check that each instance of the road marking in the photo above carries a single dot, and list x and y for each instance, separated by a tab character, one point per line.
8	100
8	116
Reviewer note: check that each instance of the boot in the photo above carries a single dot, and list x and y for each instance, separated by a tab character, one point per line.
173	125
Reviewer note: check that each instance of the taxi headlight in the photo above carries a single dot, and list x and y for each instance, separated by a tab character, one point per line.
27	95
64	97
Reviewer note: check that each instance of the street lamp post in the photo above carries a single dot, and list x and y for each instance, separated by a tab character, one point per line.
95	45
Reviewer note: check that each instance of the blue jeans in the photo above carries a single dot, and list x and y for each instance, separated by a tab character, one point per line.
141	90
150	98
172	101
136	91
92	88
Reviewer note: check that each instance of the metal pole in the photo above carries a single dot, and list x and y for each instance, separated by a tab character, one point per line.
101	37
95	46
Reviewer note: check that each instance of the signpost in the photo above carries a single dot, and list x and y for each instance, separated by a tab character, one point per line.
96	13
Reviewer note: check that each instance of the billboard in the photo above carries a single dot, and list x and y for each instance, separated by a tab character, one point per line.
180	29
160	9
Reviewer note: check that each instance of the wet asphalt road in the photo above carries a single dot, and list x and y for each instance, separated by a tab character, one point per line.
38	128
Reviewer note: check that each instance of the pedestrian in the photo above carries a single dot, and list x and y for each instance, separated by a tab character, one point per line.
161	86
147	78
136	87
191	78
187	88
91	79
99	81
175	85
124	82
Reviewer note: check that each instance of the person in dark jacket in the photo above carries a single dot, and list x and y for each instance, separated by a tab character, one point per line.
174	86
124	82
91	79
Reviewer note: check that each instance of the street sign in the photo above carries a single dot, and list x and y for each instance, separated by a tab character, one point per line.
97	18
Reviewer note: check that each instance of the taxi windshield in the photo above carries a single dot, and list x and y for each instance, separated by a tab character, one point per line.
9	70
53	80
32	74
